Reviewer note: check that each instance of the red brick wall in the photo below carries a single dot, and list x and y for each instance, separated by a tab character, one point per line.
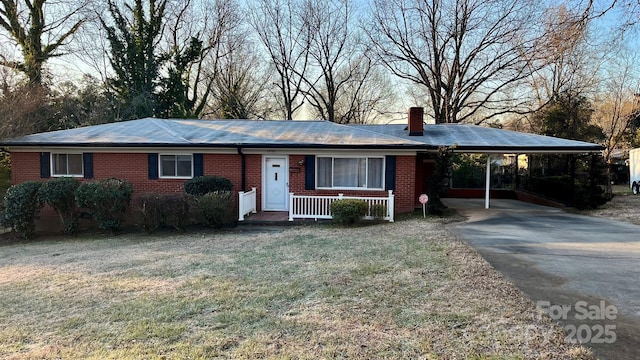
405	183
134	168
24	167
224	165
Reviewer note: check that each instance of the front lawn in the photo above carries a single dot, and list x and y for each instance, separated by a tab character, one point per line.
623	207
402	290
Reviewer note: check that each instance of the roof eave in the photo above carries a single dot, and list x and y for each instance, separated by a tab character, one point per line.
201	145
423	147
529	149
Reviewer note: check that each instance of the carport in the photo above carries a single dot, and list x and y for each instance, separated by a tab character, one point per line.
469	139
473	139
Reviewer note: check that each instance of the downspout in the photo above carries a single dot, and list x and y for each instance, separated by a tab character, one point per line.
243	161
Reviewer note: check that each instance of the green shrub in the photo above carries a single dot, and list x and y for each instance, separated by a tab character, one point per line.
59	193
21	206
201	185
155	211
108	199
348	211
378	211
216	209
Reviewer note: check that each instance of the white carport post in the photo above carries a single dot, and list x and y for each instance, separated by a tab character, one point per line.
487	183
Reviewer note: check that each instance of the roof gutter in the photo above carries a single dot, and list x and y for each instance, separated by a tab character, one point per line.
422	147
529	150
245	146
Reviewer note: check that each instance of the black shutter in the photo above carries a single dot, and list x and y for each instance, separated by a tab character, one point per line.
390	172
45	165
153	166
198	165
87	163
309	172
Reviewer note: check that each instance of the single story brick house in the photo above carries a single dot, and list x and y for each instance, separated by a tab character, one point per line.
279	159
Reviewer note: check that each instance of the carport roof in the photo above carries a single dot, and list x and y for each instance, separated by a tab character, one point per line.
473	138
151	132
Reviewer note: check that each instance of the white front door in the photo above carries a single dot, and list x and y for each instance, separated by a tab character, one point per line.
276	183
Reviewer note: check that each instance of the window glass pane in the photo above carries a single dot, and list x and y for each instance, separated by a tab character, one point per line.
362	172
167	165
375	176
184	165
74	163
345	172
324	171
59	164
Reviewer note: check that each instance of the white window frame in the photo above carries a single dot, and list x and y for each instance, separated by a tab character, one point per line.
333	157
175	155
52	163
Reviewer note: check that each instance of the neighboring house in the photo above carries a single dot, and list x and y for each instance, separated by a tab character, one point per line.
311	158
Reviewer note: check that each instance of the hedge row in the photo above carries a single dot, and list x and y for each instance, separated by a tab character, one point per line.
153	211
108	201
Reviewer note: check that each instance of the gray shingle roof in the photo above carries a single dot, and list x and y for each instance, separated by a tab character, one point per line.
217	133
152	132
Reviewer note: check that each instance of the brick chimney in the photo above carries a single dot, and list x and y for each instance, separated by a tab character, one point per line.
416	126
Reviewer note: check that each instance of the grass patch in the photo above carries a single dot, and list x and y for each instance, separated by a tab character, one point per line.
403	290
621	190
623	207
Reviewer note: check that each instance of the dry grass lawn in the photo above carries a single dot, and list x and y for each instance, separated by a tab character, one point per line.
402	290
623	207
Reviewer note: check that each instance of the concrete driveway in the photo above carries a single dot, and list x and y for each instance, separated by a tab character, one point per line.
583	271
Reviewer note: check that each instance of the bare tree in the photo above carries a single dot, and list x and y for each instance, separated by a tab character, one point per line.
337	56
217	23
566	62
21	106
470	56
617	105
239	88
366	96
39	29
285	33
568	57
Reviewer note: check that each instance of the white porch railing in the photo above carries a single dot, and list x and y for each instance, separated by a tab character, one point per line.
246	203
319	207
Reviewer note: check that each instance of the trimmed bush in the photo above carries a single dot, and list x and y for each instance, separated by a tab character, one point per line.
348	211
108	199
155	211
216	208
379	211
201	185
21	206
59	193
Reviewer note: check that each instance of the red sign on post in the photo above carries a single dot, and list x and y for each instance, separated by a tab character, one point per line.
424	199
